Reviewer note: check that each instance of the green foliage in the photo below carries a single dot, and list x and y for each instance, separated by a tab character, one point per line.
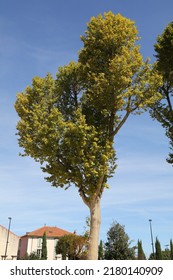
72	150
163	110
100	251
44	247
166	254
117	81
171	250
72	246
152	256
141	254
164	53
158	253
68	124
118	244
32	256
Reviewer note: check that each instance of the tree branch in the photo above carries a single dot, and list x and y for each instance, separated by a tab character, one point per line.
128	112
121	123
83	196
166	91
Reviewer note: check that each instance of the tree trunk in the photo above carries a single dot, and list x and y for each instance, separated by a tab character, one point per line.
95	221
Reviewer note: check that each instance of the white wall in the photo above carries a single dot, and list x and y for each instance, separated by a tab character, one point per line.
34	244
12	248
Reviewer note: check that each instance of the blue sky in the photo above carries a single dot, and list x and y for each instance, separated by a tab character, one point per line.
37	37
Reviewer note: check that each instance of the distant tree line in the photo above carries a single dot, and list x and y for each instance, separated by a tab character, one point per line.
160	254
117	247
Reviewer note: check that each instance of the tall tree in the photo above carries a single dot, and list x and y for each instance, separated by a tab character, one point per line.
118	244
44	247
141	254
158	253
163	109
69	124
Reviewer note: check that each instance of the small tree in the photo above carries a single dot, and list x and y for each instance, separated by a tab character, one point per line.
158	253
118	243
100	251
72	246
44	247
141	254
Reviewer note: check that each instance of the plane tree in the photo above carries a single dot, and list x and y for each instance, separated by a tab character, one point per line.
68	124
163	109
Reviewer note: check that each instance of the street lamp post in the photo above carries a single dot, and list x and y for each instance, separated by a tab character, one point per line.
152	243
7	237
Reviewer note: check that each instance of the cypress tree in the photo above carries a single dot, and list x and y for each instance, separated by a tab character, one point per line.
171	250
44	247
141	254
158	250
100	251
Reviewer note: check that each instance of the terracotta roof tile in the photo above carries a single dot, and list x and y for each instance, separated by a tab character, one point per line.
50	232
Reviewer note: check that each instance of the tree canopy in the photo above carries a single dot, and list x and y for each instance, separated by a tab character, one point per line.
68	124
72	246
163	109
118	244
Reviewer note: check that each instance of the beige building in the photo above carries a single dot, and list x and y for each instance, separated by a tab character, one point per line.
32	242
9	246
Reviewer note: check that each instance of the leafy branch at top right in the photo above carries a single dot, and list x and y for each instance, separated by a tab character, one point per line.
163	109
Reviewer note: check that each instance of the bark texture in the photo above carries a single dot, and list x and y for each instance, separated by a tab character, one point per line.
94	230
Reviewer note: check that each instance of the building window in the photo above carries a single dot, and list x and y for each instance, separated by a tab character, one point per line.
39	243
